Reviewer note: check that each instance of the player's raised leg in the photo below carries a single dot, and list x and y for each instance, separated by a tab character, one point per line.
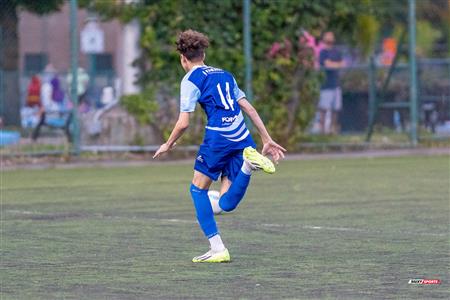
258	161
205	216
252	161
231	198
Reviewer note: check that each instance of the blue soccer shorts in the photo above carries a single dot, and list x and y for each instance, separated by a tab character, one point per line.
215	163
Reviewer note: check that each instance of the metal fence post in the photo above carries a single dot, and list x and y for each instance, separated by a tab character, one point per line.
413	103
448	100
74	72
1	73
372	97
248	50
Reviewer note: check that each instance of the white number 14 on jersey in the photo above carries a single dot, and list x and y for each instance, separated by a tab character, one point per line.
228	102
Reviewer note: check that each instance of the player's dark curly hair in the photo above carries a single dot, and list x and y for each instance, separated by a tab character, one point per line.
192	44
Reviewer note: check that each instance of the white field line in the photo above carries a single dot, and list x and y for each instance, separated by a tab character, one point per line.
349	229
270	225
21	212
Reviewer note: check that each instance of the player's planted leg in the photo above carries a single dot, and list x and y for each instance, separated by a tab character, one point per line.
203	209
205	217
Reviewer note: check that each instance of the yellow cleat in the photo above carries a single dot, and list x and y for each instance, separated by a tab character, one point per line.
258	161
213	257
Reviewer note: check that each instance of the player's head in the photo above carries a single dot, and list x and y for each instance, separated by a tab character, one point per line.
191	45
328	38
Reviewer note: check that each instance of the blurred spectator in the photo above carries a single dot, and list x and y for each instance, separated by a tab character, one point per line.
389	51
47	97
30	113
55	110
48	73
34	92
83	82
330	101
57	92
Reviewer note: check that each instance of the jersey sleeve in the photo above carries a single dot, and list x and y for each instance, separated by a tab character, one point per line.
189	95
238	93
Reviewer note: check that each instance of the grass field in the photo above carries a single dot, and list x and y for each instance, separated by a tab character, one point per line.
347	229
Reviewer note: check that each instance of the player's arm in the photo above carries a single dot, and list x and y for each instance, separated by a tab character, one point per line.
329	64
180	127
269	146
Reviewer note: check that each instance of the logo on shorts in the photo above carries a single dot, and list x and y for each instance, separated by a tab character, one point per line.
200	158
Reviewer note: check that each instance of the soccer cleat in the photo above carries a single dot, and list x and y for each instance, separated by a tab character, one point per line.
258	161
213	257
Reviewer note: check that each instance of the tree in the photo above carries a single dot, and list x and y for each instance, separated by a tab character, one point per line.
9	50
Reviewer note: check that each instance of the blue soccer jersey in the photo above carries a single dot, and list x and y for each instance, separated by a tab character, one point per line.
218	94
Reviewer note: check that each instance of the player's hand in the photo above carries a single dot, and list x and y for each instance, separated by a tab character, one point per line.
162	149
275	150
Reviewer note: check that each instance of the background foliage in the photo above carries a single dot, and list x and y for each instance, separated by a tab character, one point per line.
286	78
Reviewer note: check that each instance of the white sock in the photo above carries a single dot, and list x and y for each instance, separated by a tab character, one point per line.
246	168
216	243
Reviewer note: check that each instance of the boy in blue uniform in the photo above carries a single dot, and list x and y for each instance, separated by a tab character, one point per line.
228	149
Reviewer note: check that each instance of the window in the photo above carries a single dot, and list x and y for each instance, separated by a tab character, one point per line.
35	62
103	62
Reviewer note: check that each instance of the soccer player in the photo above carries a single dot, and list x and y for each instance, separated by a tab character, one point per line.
227	150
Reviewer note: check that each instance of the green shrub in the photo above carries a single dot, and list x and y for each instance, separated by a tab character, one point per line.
140	106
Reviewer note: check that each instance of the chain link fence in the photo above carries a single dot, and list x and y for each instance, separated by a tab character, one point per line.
35	74
35	81
390	80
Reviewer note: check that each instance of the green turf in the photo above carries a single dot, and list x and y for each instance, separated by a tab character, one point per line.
348	229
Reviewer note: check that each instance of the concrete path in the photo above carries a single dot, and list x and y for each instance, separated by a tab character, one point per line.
150	162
